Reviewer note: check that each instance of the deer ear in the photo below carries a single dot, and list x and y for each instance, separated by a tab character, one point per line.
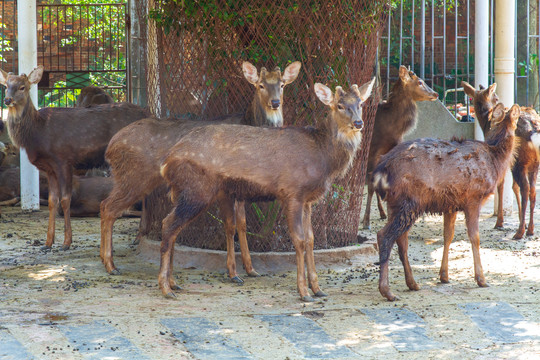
35	75
514	112
468	88
250	72
291	72
492	88
3	77
498	113
365	90
324	94
404	73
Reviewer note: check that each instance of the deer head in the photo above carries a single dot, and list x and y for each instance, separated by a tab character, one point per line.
484	101
416	87
18	86
269	88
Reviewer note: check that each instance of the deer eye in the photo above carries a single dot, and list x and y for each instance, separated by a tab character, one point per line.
261	86
22	88
282	85
341	107
420	83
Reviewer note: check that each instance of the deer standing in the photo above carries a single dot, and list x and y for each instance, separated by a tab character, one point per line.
438	176
527	160
127	157
395	118
293	165
58	139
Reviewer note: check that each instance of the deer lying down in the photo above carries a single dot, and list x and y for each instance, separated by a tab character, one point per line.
59	139
294	165
438	176
394	119
126	157
93	95
527	160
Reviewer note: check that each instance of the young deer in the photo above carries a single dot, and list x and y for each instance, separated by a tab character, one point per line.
126	157
527	160
395	118
58	139
293	165
93	95
437	176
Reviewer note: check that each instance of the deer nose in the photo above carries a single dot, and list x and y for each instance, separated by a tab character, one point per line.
359	124
8	101
275	104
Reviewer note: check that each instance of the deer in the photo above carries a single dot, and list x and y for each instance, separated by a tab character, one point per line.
296	166
126	157
394	119
525	167
58	139
439	176
93	95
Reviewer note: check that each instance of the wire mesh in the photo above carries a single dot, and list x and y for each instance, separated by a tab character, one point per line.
194	53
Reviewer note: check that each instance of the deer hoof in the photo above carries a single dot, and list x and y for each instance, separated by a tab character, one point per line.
170	295
518	236
482	284
320	293
498	227
237	280
253	273
65	247
367	227
307	298
114	272
45	248
176	287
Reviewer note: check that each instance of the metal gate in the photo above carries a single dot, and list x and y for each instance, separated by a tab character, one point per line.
79	45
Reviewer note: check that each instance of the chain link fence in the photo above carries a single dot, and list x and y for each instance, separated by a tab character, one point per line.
194	55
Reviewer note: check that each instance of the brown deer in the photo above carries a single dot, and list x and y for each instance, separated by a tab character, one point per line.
527	160
293	165
58	139
93	95
395	118
126	157
438	176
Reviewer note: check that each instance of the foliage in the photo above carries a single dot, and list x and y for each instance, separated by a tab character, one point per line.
5	45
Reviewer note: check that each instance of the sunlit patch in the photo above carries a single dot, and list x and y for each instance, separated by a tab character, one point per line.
51	274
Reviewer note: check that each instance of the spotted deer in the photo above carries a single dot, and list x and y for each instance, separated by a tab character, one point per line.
127	156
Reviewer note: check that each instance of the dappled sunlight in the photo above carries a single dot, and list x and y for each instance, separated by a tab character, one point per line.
52	273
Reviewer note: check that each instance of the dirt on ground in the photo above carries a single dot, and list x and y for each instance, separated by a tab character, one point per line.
63	305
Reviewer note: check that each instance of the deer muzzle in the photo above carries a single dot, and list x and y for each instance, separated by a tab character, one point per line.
275	104
8	101
359	124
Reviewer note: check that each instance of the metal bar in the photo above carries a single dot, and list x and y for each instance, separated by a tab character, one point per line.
432	43
456	54
423	40
412	36
388	54
401	33
528	52
444	48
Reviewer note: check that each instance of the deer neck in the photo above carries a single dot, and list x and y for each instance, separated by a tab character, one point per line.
21	122
339	147
404	110
482	114
257	115
501	144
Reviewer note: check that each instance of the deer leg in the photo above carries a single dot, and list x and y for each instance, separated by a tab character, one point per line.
241	228
54	194
403	250
500	212
381	207
471	220
313	280
367	213
532	199
296	229
524	188
399	222
226	206
187	209
65	182
449	225
111	209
